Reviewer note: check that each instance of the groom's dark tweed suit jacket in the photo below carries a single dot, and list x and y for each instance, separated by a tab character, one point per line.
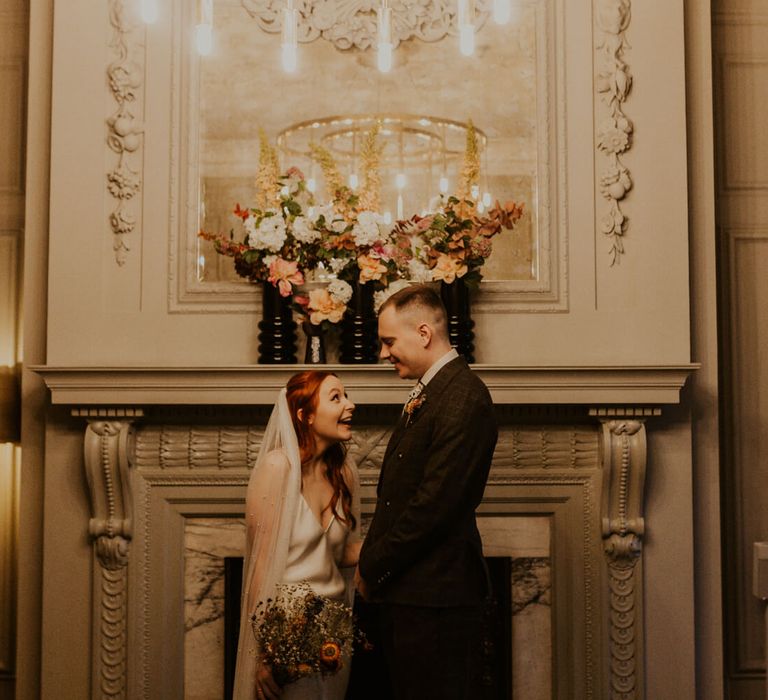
423	546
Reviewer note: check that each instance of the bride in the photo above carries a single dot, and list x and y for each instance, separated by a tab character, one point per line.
302	518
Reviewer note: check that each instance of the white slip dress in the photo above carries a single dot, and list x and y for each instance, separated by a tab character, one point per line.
313	557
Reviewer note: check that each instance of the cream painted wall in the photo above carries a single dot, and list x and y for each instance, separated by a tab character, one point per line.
633	313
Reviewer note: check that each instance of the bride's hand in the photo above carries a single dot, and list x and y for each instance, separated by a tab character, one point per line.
266	688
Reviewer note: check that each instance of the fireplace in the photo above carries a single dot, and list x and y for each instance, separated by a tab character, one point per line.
563	503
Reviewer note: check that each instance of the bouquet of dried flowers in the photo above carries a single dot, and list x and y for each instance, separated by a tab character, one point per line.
300	633
455	240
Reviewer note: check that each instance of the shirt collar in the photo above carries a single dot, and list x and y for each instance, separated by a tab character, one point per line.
437	366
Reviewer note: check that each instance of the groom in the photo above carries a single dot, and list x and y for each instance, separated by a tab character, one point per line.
422	559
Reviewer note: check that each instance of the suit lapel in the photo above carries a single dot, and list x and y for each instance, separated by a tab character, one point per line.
433	390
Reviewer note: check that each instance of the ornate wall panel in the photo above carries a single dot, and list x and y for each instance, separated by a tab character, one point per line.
744	166
747	455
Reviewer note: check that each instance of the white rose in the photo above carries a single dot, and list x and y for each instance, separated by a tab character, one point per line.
340	291
366	229
270	234
338	264
302	230
418	271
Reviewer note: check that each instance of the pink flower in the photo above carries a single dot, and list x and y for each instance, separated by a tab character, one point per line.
283	274
448	269
385	252
294	173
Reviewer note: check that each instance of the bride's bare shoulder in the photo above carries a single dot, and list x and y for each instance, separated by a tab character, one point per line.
276	461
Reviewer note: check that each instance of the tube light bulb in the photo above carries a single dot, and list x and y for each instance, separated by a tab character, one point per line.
466	21
487	199
204	39
290	42
384	57
353	181
204	28
502	11
467	39
384	53
149	11
475	191
289	58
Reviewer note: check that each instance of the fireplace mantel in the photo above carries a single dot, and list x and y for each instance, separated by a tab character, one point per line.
368	384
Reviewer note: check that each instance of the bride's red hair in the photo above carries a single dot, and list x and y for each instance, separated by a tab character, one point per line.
302	394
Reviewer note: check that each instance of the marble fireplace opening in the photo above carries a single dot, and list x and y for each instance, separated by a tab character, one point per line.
518	657
368	680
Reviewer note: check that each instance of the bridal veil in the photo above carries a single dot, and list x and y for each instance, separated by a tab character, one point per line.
270	507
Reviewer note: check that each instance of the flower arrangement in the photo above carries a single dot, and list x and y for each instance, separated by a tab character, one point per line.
300	633
279	242
286	237
455	241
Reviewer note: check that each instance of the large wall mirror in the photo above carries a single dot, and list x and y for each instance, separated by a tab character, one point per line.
424	105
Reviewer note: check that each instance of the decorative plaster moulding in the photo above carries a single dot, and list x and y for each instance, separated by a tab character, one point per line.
368	384
353	24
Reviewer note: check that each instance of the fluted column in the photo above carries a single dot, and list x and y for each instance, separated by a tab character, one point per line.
108	452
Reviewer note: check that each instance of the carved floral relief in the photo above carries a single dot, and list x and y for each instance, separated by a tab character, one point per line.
614	132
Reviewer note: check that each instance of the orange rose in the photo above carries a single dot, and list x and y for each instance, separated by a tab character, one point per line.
370	268
447	269
323	307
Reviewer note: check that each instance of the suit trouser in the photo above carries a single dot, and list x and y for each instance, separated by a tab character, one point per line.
433	652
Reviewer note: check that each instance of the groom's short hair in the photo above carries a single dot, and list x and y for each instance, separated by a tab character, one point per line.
422	298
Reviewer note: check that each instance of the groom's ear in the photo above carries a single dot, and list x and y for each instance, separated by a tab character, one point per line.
425	333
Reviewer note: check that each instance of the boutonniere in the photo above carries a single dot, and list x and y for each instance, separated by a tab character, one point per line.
414	405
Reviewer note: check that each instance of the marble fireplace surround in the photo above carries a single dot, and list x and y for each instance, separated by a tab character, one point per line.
163	446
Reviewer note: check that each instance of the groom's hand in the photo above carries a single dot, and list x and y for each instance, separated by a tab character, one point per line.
360	584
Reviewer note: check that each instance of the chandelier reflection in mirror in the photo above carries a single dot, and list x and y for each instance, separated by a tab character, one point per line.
408	144
336	91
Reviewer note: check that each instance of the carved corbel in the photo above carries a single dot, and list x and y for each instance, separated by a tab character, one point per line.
108	452
623	527
108	456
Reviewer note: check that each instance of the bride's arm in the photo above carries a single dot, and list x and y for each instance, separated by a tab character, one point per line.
354	541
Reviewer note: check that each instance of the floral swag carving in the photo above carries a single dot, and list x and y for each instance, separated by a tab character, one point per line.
352	23
614	133
123	129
